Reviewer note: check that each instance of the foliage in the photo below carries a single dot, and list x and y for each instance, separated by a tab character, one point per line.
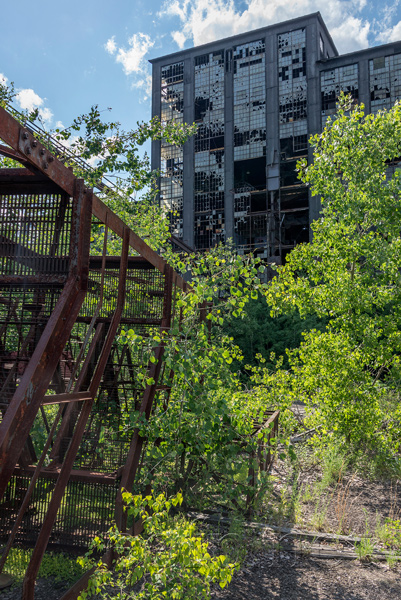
57	565
256	332
167	561
389	533
204	440
350	275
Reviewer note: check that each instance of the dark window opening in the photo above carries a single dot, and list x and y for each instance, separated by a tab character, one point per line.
251	172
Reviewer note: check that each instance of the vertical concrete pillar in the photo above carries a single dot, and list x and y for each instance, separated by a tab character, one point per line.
189	153
364	88
314	102
156	112
229	144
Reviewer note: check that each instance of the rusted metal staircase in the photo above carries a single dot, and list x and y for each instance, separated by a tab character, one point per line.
63	304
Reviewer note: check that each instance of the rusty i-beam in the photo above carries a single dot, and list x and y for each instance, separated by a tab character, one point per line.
61	310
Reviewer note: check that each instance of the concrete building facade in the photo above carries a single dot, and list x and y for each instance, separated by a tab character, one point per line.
256	97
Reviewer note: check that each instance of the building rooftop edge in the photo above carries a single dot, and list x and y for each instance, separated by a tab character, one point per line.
255	32
356	53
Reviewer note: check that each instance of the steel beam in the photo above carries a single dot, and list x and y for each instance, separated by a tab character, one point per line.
20	415
65	471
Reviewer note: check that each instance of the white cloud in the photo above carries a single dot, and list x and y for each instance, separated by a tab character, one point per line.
110	46
392	34
133	59
204	21
179	38
27	99
46	115
3	79
351	35
144	84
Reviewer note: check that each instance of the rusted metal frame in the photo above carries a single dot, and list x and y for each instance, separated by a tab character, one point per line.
25	503
60	218
124	320
137	442
45	421
65	398
25	188
36	154
23	141
26	280
10	153
76	475
113	262
21	174
21	413
65	471
80	381
95	315
24	346
12	310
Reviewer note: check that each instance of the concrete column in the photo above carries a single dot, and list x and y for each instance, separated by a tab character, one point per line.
156	111
313	103
229	145
189	153
364	89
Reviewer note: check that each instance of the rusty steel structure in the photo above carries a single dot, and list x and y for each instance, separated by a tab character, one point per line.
63	303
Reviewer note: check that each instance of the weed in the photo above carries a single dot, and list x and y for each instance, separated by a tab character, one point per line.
233	543
307	494
54	564
389	533
334	464
364	549
343	507
392	559
318	520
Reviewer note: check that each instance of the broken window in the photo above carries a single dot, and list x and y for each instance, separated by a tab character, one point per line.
292	83
384	81
249	100
293	226
250	205
335	81
171	184
209	223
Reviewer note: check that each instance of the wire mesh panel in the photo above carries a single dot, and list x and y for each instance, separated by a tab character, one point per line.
34	234
86	509
24	312
144	292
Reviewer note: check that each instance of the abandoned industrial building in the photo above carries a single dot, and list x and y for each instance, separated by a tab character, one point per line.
257	97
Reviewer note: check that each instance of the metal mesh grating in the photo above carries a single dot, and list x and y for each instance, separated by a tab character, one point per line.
34	234
144	295
24	312
86	509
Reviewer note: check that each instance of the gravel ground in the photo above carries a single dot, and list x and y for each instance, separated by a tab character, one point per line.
286	577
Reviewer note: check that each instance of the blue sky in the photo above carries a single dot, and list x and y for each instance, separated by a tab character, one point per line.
65	56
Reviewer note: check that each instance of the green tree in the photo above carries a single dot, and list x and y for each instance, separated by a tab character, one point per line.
349	374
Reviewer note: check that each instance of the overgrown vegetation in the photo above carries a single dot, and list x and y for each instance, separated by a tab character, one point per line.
167	561
56	565
342	291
